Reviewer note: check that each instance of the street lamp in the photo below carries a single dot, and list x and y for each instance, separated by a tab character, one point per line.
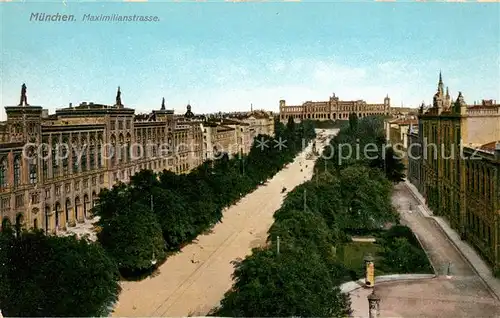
373	305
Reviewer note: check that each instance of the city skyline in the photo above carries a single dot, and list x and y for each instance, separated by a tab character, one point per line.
256	54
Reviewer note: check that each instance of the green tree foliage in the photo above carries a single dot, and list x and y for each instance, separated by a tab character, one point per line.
294	283
405	258
391	164
363	141
129	230
402	251
353	122
157	213
55	276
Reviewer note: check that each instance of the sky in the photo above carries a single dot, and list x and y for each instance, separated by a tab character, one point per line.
225	56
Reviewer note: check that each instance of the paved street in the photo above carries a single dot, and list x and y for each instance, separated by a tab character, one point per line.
440	250
430	298
463	294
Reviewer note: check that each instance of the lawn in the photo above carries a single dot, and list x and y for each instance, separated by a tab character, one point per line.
352	255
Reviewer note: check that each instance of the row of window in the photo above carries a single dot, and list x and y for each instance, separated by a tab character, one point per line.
121	124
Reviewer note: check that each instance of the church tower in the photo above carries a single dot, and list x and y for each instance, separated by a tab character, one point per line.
439	98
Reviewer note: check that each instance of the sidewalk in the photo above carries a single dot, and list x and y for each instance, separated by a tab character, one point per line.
483	270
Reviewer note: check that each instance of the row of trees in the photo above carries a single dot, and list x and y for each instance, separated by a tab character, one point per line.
140	223
298	272
158	213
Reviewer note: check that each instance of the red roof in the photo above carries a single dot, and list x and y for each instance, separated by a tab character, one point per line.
491	146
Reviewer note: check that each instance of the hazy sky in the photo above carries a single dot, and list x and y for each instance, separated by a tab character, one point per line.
225	56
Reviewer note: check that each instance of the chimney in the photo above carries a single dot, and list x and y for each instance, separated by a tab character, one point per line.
70	105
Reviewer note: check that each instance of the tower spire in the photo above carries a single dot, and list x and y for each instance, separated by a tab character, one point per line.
440	84
118	97
163	103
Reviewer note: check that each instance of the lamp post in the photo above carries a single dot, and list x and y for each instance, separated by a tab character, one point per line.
373	305
369	271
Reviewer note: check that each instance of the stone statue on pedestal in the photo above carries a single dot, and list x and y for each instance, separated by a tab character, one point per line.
24	98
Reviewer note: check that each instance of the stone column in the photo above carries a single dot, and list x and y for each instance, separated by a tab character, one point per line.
373	305
369	271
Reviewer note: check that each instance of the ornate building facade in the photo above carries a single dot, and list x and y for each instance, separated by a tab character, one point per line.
460	167
52	167
333	109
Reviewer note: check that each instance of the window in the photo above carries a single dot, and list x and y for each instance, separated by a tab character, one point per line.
17	171
3	173
19	201
33	171
58	190
47	193
94	181
92	155
67	187
128	124
113	125
120	125
84	158
34	198
99	155
5	203
101	179
45	163
55	163
65	163
75	162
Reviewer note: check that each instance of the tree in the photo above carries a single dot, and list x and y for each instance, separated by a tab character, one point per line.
401	256
353	122
55	276
129	231
367	198
293	283
290	125
133	239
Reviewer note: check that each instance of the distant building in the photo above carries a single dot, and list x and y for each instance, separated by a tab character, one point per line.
333	109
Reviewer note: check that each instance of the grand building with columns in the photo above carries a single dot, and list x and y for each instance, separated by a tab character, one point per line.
333	109
52	167
458	170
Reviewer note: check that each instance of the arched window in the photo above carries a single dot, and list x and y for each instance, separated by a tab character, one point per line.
17	171
3	173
